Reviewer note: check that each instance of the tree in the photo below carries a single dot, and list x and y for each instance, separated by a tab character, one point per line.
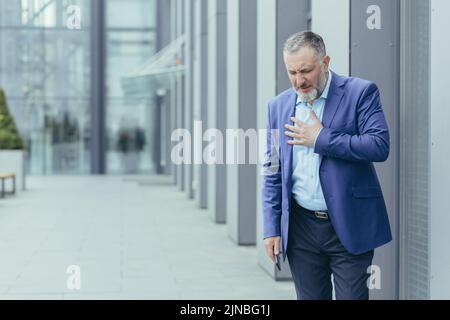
10	138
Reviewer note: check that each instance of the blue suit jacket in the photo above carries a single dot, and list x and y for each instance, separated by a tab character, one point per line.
355	135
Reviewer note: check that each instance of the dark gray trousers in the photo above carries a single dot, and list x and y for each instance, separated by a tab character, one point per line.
315	252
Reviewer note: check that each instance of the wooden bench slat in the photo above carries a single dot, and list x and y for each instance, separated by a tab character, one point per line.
3	177
7	175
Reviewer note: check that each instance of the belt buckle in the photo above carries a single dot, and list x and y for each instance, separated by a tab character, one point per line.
321	215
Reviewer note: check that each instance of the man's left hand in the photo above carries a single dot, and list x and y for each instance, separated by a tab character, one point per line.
304	134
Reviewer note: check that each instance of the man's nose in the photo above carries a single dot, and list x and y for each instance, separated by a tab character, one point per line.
299	79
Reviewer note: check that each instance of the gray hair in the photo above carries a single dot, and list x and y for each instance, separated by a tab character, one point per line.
305	39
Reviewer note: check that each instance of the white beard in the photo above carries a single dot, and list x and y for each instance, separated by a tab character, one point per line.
315	93
307	97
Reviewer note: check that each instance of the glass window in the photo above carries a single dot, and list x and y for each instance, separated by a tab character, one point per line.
131	40
45	71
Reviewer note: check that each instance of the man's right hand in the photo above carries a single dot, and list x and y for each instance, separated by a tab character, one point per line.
272	247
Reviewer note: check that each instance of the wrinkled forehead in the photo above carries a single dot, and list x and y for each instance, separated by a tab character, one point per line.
306	57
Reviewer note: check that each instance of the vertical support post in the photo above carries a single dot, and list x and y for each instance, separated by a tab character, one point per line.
98	98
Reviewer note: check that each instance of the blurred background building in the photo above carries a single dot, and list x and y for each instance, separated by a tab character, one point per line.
54	75
105	99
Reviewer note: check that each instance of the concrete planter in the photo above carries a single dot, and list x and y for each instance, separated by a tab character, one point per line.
13	161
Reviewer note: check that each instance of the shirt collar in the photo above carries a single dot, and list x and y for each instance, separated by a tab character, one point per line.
325	91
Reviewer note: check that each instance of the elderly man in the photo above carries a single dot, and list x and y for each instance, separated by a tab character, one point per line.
324	208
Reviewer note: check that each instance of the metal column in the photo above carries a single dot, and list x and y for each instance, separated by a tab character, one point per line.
241	114
98	72
217	103
200	95
375	55
189	28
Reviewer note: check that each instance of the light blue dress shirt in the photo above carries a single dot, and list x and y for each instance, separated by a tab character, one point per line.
306	188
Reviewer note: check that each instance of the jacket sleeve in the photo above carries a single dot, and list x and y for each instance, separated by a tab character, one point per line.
272	188
371	144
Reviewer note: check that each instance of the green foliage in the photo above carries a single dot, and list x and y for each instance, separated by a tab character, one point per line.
10	138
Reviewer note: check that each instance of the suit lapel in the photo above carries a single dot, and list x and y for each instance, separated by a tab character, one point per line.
334	99
288	112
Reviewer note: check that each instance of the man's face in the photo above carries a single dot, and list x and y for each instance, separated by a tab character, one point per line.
307	72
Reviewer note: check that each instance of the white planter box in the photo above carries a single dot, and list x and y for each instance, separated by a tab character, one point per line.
13	161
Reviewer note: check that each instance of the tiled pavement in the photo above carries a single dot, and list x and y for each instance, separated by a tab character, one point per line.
133	238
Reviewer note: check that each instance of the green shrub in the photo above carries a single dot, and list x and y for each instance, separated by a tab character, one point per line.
10	138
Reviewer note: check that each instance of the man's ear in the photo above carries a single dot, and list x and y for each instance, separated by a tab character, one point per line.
326	62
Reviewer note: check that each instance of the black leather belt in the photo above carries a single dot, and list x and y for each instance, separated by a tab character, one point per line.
323	215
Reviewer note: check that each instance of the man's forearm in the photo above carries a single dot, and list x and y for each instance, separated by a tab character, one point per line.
366	147
272	198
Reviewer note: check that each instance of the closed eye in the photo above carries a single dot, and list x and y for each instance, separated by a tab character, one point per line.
303	72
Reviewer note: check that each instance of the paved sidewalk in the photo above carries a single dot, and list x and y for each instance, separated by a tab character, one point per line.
131	241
